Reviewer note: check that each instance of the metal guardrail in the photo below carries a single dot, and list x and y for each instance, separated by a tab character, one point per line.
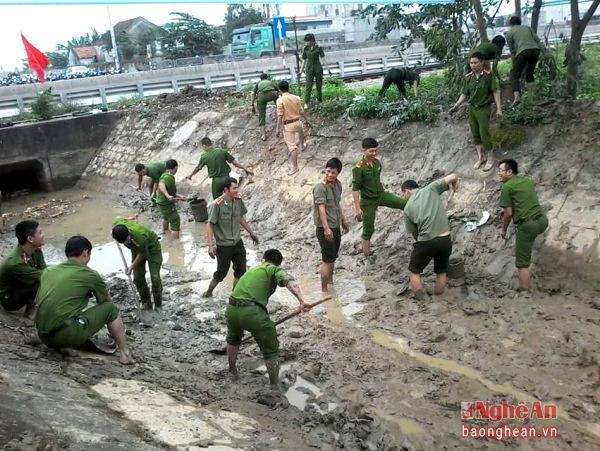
345	68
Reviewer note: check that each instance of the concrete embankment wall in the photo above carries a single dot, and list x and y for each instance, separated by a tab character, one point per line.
561	157
51	154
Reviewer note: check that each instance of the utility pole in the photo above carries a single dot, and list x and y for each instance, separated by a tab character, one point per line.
114	41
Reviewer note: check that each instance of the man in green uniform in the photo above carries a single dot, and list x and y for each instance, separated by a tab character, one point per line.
247	310
22	268
525	47
265	91
63	320
426	219
313	60
225	216
153	170
480	88
166	199
329	217
492	52
366	180
216	160
145	247
521	205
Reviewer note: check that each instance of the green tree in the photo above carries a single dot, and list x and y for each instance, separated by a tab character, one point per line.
238	16
188	36
573	51
59	59
445	29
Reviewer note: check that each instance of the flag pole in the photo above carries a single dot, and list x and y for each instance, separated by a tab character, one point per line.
114	41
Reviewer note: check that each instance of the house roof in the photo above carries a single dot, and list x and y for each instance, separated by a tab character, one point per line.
126	26
84	52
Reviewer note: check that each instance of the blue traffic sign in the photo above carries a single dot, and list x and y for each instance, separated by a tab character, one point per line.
279	27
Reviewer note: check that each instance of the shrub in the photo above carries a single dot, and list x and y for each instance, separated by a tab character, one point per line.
524	113
42	107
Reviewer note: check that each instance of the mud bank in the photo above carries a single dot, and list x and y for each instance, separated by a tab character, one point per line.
373	369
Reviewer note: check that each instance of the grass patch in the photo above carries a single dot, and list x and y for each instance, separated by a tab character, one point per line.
365	103
507	138
589	76
524	113
124	102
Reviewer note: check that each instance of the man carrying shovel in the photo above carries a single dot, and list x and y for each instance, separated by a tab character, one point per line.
145	247
247	311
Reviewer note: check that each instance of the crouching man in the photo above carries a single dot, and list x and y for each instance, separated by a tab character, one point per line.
22	268
63	320
247	310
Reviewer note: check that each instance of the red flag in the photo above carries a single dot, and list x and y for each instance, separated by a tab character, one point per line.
37	60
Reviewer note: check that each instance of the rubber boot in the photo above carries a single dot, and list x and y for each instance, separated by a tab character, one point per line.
273	370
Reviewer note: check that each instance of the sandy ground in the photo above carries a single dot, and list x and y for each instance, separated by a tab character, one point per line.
371	369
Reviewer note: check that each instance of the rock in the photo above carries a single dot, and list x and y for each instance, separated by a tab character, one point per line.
177	326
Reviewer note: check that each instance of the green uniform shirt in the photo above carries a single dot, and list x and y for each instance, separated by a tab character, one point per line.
265	86
216	160
18	270
311	56
259	283
425	215
521	37
366	178
225	214
154	169
488	50
169	181
519	194
144	240
480	89
64	292
328	194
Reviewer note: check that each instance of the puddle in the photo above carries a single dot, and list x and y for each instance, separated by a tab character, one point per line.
399	344
298	394
407	426
174	423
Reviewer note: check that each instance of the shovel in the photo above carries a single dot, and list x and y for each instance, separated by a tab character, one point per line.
133	290
279	321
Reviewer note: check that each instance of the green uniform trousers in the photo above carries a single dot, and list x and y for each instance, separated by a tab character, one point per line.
261	103
139	276
217	186
255	320
169	213
369	208
19	297
527	232
317	78
82	327
479	121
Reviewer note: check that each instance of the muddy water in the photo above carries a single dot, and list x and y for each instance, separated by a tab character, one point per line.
94	218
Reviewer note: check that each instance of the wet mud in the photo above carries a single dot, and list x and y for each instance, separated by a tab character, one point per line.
372	368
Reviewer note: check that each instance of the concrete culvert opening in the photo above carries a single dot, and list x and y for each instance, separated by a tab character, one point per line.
25	175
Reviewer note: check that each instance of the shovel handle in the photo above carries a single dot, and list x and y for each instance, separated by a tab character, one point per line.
135	294
297	312
291	315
